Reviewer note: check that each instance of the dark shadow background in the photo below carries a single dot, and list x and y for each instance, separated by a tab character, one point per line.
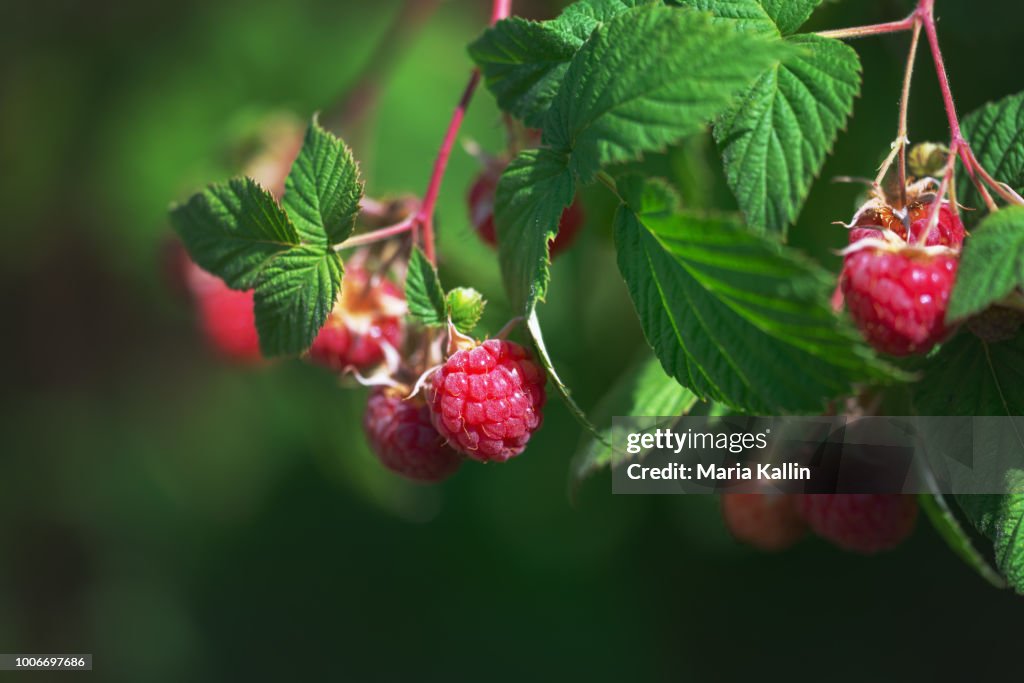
185	520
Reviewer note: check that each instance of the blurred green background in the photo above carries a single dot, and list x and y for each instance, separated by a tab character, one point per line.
185	520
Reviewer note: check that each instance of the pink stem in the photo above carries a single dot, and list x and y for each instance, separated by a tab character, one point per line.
376	236
908	76
1002	189
924	17
871	30
925	10
425	216
500	10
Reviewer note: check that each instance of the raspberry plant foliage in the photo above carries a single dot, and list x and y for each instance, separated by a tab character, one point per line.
992	267
735	318
732	315
238	232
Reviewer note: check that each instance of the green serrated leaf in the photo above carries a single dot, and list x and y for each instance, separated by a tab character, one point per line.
951	531
323	190
749	15
789	15
775	140
1001	519
736	317
294	296
233	230
643	390
971	377
994	132
523	62
423	292
465	306
531	195
238	232
581	18
992	264
647	78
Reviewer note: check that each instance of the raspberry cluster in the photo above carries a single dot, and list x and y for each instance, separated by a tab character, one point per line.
483	402
766	521
861	523
899	271
366	321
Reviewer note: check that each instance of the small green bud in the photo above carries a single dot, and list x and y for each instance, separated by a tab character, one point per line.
465	306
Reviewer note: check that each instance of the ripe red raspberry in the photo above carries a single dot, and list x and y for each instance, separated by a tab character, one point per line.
401	435
863	523
481	214
898	298
226	316
487	400
766	521
366	318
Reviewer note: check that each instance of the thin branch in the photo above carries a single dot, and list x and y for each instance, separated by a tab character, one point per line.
871	30
925	10
954	205
425	216
928	19
904	105
376	235
1002	189
923	17
883	170
500	10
